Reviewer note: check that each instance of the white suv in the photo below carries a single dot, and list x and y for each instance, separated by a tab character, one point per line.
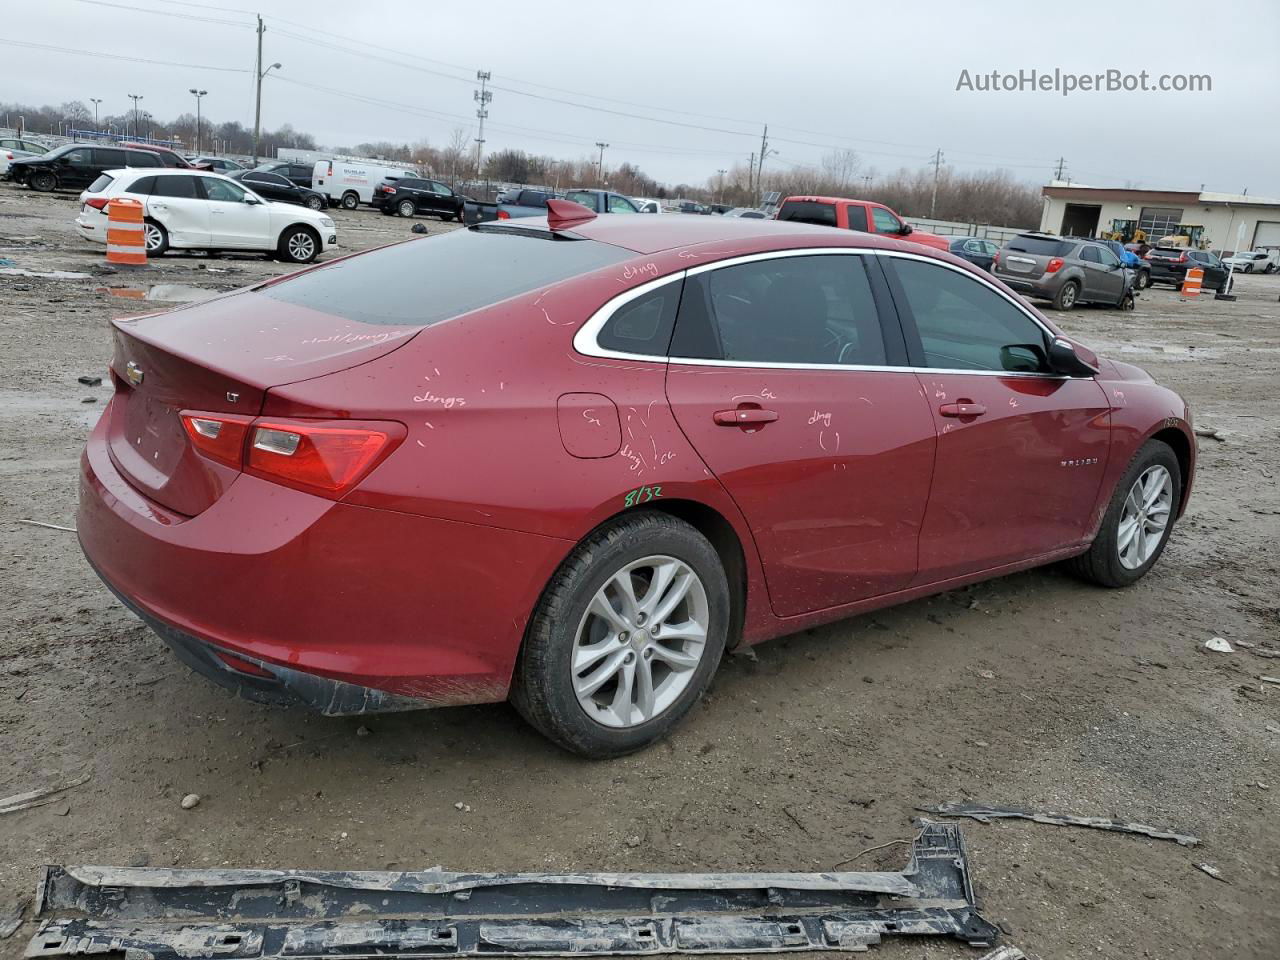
198	210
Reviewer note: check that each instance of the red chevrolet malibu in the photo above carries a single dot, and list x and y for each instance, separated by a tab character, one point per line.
569	461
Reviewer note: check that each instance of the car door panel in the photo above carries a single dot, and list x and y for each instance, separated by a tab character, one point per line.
830	466
233	222
174	203
1021	450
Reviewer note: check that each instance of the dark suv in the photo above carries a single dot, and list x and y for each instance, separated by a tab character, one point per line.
76	165
1170	265
1065	270
410	195
294	171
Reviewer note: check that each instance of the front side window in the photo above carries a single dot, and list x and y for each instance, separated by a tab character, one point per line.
964	324
885	221
1107	258
440	189
80	158
621	205
810	309
643	325
1091	255
223	190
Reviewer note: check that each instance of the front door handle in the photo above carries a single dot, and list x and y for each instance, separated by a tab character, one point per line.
962	408
744	416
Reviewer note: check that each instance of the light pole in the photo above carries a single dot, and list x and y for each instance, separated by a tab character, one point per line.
720	189
257	109
600	164
147	117
137	130
95	101
199	95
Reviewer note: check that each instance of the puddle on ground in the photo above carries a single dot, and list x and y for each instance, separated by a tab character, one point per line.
166	292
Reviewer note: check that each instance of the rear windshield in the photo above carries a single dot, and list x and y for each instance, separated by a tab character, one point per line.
423	281
1043	246
101	183
806	211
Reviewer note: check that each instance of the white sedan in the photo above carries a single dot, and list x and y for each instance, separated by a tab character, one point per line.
9	154
198	210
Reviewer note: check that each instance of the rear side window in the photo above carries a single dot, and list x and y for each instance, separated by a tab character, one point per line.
857	218
101	183
140	158
584	197
643	325
785	310
178	187
1041	246
807	211
110	158
424	281
143	186
963	323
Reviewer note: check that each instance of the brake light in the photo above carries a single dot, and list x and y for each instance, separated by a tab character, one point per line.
98	203
1182	258
322	457
219	436
1054	265
383	188
995	258
503	215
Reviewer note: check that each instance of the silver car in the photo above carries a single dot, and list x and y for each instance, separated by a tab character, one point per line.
1064	271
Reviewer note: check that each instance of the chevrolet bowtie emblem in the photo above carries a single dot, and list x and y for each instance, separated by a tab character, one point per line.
133	373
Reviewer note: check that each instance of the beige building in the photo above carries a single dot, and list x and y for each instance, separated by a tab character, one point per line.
1212	220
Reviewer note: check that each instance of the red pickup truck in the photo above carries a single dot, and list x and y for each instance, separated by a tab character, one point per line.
854	215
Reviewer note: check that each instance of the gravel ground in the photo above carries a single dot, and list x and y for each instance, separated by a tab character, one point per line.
1032	690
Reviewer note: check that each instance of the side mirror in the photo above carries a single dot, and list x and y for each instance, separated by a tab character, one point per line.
1064	359
1023	358
250	199
906	229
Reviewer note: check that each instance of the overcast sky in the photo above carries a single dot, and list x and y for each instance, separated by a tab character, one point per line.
879	78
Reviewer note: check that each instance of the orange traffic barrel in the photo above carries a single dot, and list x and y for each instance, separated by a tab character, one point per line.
126	236
1192	282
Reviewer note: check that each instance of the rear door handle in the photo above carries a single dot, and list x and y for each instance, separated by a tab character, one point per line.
962	408
744	417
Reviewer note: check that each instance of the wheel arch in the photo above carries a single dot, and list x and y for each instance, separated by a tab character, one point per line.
1177	440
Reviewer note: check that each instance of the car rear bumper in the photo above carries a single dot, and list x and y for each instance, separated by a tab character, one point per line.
1043	287
348	609
92	225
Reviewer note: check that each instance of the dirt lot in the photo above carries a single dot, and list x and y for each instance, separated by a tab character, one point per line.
1034	690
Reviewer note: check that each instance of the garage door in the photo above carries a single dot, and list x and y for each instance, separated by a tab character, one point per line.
1159	222
1266	234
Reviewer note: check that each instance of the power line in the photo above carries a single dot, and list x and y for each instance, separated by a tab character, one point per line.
163	13
116	56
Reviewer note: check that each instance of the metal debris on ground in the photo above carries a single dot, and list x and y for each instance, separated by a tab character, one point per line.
47	526
1004	953
985	814
11	919
1210	432
1212	871
90	381
1218	645
164	914
38	798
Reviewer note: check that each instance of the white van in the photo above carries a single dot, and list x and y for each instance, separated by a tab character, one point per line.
351	182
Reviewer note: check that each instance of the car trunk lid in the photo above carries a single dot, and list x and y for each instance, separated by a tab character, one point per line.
1029	257
220	356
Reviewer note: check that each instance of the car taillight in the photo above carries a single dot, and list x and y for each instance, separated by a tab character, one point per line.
1182	258
1147	255
324	457
382	188
503	215
219	436
1054	265
98	203
995	258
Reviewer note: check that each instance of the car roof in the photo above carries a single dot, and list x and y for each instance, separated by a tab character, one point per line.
168	172
647	234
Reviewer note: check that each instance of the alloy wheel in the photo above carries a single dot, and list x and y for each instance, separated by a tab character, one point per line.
1145	517
152	237
640	641
301	246
1069	297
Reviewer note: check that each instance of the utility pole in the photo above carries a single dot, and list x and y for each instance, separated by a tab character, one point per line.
866	182
482	98
1062	162
751	175
764	152
199	95
600	165
937	168
259	75
95	101
137	130
720	189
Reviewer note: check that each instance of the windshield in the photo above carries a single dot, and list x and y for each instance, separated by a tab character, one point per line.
423	281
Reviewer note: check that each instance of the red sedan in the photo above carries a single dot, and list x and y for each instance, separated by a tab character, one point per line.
569	461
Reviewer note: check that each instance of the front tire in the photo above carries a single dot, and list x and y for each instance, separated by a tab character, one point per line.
1144	279
299	245
42	182
155	237
625	638
315	203
1138	521
1066	296
1128	301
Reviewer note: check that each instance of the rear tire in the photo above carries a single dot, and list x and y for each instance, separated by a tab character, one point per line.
406	208
1102	563
1067	296
299	245
350	200
156	238
552	688
42	182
